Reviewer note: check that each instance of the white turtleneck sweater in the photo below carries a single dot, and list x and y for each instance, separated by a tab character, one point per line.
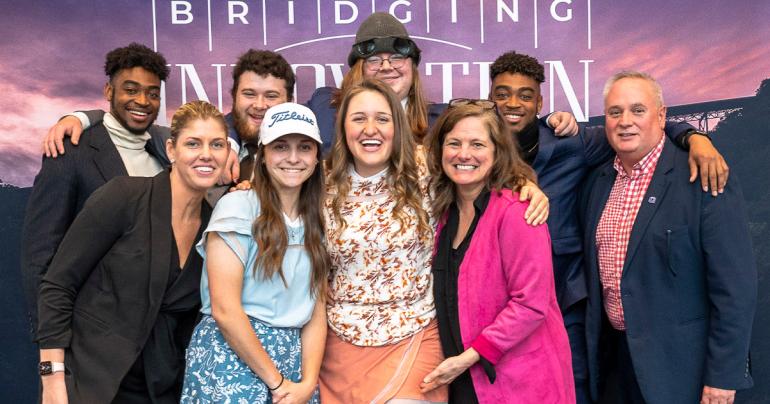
138	162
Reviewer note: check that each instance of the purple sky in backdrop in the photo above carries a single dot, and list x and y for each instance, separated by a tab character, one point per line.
52	53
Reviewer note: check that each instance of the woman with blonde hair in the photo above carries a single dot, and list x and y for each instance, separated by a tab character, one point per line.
119	302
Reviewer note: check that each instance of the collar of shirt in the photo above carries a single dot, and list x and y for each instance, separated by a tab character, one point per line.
647	163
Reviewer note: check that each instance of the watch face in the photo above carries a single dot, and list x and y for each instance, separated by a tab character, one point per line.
45	368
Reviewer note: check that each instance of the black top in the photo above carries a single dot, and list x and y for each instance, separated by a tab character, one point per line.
446	270
157	374
529	142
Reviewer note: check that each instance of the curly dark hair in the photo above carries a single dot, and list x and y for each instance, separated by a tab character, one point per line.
264	62
135	55
512	62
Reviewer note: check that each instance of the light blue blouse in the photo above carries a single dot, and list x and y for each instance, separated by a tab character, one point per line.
267	300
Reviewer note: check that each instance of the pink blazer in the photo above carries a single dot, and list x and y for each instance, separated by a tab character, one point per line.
508	310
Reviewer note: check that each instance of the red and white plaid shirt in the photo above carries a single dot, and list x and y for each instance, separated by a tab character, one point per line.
615	226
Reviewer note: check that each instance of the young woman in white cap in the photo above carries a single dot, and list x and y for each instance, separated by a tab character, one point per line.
262	333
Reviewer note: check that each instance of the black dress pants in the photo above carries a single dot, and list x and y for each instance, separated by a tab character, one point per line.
620	385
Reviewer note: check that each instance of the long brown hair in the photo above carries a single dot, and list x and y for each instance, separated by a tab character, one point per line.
269	228
509	171
417	102
403	177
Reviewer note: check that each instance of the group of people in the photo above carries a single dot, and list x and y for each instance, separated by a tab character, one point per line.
370	247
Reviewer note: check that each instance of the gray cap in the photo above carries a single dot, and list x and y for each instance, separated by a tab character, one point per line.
382	32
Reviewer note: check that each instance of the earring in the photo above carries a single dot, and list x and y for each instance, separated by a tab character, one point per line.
173	161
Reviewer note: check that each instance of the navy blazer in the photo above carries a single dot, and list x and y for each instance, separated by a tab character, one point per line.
689	284
58	194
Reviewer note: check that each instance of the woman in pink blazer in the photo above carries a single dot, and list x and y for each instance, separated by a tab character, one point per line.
499	323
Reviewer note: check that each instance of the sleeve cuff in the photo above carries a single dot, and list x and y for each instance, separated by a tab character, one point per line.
85	123
486	349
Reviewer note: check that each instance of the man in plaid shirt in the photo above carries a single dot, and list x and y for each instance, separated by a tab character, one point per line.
672	281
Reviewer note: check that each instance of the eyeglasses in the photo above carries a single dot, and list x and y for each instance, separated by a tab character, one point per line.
486	104
374	63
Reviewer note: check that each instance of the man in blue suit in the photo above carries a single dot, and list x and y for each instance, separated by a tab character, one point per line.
561	164
672	282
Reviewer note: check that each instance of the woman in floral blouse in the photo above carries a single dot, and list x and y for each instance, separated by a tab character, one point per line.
383	337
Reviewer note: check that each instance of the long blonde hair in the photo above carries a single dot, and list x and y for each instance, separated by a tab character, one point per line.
403	177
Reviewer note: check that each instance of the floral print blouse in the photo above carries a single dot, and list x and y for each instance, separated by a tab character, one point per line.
381	283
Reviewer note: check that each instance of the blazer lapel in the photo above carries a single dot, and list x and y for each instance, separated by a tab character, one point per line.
545	149
106	157
160	234
652	199
598	199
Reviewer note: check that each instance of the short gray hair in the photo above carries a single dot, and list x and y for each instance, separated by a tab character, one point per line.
633	74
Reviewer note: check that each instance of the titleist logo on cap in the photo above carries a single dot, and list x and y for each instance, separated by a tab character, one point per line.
289	116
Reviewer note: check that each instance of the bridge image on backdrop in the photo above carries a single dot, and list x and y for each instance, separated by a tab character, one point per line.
698	114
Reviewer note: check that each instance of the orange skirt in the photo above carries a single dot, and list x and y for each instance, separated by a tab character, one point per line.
352	374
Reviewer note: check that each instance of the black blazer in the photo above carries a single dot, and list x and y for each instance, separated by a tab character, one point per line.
102	294
59	192
689	284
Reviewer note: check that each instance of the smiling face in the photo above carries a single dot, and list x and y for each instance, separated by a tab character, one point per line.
634	119
199	154
518	99
369	132
290	160
467	154
134	96
254	95
399	80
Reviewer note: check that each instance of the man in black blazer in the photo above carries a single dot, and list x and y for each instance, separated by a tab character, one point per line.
672	282
119	147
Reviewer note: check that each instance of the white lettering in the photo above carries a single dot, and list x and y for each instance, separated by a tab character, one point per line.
557	67
556	16
188	70
184	11
338	11
513	11
483	79
453	6
408	14
291	12
320	75
219	83
241	14
336	69
162	120
446	76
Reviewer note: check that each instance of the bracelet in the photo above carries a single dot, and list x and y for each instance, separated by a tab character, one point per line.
278	386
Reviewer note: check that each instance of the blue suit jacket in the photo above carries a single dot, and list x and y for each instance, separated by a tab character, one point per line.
688	287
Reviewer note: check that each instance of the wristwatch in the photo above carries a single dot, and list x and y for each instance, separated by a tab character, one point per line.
48	368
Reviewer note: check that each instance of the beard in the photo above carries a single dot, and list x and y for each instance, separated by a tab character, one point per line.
245	130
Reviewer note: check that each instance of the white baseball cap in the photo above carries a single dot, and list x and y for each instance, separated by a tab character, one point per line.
287	118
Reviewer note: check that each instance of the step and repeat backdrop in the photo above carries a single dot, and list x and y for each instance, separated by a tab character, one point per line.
52	57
